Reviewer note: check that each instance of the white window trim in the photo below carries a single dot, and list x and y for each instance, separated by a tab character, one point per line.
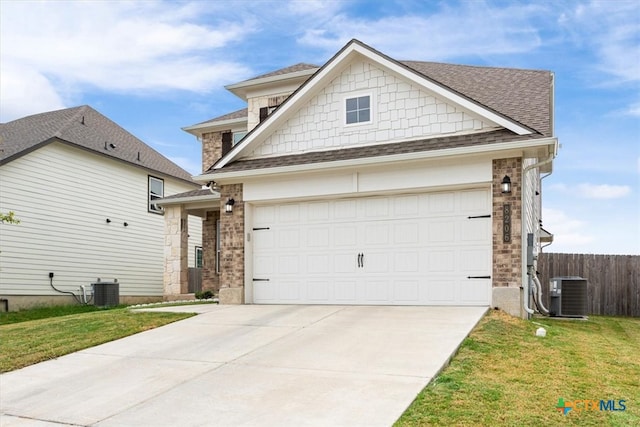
372	109
160	209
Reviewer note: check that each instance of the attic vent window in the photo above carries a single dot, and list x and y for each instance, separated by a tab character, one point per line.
358	110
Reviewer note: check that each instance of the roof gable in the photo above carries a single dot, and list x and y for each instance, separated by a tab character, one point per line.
85	128
333	68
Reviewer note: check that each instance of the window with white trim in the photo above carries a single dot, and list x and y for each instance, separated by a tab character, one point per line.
358	110
156	191
199	257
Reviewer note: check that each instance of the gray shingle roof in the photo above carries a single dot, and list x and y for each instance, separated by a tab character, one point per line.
239	114
455	141
88	129
522	95
287	70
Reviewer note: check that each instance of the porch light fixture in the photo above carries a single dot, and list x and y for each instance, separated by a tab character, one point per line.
228	207
505	185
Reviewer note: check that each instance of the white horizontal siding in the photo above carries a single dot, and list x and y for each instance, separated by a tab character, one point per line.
63	197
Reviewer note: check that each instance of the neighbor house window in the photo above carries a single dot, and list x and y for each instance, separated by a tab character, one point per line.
237	136
358	109
156	191
198	256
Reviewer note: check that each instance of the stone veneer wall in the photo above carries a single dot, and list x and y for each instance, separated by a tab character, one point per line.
211	149
176	234
232	246
210	279
507	257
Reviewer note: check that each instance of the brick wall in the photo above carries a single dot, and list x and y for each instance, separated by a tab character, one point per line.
211	149
210	279
232	238
507	256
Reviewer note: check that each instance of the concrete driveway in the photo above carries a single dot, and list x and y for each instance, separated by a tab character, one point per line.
246	365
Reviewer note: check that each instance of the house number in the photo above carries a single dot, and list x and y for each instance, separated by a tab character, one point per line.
506	223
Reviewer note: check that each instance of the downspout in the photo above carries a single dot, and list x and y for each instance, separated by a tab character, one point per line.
527	286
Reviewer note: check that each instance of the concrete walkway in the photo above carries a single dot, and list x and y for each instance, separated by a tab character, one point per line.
249	365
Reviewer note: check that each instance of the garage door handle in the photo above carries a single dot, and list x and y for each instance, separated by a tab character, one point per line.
360	260
478	277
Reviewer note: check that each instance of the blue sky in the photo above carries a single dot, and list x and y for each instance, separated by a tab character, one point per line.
157	66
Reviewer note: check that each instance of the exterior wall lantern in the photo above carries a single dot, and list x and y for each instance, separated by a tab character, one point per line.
505	185
228	207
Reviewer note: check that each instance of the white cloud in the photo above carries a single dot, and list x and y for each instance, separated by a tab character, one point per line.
503	30
570	234
612	29
53	49
603	191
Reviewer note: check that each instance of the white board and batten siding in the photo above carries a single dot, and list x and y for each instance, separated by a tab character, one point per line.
63	197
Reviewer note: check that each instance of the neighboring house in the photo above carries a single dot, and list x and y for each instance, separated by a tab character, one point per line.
374	181
85	192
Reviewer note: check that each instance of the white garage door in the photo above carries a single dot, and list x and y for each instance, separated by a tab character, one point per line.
419	249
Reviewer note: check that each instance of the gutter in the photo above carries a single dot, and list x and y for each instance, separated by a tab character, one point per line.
526	283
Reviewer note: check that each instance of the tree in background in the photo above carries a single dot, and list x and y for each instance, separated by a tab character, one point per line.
9	218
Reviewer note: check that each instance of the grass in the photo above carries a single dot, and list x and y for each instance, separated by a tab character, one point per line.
504	375
32	336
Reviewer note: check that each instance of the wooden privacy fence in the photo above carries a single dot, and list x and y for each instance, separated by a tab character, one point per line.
613	280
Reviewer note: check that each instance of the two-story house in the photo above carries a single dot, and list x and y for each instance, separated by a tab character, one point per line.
370	180
85	191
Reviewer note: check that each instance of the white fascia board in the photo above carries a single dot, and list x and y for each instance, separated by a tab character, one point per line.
189	199
201	128
424	155
330	69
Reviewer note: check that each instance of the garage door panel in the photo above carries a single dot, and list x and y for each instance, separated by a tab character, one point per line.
288	290
406	206
346	236
318	264
289	213
475	261
318	212
441	204
375	262
406	233
345	210
474	201
345	263
377	233
319	291
443	261
474	291
441	291
289	264
345	291
376	291
406	291
475	230
406	262
441	231
318	237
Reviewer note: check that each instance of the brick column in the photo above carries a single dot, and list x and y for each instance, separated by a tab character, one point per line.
232	246
507	256
210	279
176	243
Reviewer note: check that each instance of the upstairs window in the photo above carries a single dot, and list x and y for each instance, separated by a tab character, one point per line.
156	191
358	110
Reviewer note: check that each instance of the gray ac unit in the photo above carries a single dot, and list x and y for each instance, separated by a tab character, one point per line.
106	294
568	297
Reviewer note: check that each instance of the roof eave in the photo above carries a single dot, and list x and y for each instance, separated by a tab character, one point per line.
199	129
536	144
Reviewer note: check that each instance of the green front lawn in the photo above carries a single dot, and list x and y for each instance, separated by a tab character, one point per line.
504	375
32	336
